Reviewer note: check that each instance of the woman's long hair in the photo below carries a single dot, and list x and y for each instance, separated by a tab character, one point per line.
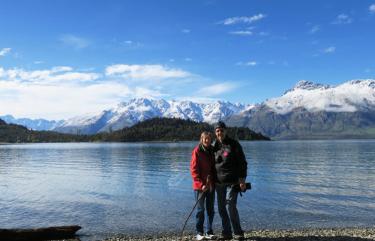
203	135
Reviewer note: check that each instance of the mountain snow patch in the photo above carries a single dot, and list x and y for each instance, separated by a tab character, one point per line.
347	97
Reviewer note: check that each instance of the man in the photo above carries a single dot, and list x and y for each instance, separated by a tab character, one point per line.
231	170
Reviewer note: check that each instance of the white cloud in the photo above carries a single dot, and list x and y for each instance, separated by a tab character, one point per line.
24	99
4	51
263	34
146	92
71	76
186	31
188	59
145	71
342	19
60	92
63	92
249	63
131	44
372	8
217	89
74	41
314	29
242	33
329	50
198	99
58	74
243	19
57	69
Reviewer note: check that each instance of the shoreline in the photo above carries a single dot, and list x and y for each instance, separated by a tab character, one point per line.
305	234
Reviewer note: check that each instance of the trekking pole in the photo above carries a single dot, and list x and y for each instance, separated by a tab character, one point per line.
192	210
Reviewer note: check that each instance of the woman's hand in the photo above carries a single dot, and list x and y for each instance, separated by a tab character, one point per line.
204	188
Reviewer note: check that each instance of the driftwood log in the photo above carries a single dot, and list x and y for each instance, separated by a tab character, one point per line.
49	233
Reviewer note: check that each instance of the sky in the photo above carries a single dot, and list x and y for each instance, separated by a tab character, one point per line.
63	58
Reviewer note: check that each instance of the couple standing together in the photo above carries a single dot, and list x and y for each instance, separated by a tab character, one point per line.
221	167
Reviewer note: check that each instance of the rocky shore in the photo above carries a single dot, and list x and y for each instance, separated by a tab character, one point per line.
334	234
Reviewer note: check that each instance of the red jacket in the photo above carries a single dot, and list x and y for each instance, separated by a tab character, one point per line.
202	165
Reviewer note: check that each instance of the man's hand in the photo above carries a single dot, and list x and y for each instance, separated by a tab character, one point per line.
204	188
242	184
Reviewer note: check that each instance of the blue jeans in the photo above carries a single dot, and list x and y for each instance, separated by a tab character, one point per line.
227	197
208	199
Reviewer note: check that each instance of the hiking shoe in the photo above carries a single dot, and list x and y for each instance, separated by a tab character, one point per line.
210	236
200	236
239	237
226	237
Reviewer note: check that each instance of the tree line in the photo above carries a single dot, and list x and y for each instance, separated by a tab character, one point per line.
156	129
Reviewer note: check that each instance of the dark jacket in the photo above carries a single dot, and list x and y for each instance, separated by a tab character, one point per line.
230	161
202	165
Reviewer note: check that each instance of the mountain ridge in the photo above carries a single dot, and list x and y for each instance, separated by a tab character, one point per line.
350	104
32	124
126	114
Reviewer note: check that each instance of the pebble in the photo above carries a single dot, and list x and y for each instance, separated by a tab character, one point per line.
328	234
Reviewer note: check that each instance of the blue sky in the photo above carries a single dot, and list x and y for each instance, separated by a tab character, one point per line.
60	58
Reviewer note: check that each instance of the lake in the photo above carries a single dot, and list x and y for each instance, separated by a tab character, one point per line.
137	188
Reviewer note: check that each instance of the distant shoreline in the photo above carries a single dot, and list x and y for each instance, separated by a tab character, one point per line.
119	142
88	142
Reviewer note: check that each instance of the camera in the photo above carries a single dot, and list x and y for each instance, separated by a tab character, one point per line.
238	189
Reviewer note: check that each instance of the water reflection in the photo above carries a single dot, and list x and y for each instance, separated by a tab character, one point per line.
127	188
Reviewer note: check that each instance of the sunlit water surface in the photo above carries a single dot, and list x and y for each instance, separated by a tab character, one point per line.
138	188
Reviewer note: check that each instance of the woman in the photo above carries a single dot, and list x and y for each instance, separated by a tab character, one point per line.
202	167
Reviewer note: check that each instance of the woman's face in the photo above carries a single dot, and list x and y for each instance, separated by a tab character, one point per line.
206	141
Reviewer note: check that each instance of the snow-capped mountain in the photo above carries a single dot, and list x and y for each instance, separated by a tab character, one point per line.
315	111
136	110
308	110
348	97
32	124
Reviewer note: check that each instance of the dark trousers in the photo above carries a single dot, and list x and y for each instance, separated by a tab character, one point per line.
227	202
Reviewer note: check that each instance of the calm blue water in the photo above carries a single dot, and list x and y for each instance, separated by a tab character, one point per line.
146	187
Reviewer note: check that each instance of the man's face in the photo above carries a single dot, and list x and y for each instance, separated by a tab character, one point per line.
220	134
